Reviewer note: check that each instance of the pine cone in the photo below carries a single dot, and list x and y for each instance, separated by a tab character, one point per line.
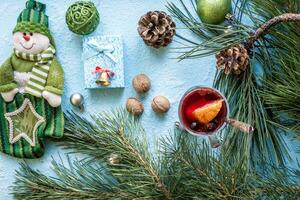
233	60
157	29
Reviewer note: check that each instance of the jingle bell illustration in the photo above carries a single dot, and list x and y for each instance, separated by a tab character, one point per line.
104	76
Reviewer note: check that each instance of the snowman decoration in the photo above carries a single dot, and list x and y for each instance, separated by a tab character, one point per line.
31	85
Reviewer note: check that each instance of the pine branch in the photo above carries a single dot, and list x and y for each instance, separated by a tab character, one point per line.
80	181
121	134
147	167
263	29
216	37
282	83
204	174
189	168
266	143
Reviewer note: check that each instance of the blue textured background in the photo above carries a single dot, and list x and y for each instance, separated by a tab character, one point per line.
169	78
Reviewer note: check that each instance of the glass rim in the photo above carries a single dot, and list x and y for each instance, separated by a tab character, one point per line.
192	89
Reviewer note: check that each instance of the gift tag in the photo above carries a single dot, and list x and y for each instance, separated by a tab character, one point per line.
103	62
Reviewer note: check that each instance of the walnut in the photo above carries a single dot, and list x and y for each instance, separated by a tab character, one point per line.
160	104
134	106
141	83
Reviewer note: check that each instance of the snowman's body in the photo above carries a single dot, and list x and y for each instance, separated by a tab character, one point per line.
21	78
31	85
29	43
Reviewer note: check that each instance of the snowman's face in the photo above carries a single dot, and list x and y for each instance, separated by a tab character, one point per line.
33	43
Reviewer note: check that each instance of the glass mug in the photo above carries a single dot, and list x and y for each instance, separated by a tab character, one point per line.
197	97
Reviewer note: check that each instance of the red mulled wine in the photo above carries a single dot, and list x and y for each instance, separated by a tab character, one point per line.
198	98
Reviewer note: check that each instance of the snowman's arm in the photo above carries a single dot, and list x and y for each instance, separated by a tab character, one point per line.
7	77
55	80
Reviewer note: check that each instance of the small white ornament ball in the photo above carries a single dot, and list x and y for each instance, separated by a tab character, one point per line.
29	42
114	159
77	100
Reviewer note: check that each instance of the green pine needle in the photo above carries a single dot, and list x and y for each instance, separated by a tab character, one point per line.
282	84
265	143
215	37
246	100
79	180
185	166
120	134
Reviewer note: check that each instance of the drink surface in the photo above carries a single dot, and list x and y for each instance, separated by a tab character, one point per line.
199	98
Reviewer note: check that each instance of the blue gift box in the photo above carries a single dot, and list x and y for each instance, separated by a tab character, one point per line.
103	59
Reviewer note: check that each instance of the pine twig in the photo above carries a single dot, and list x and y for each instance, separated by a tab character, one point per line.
148	168
246	102
118	133
80	180
204	174
190	169
261	31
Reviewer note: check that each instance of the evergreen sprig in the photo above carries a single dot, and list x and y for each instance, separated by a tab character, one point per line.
265	143
215	37
185	166
282	84
75	180
203	173
118	133
246	100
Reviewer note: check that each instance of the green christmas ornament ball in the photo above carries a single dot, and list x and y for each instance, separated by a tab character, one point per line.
82	17
213	11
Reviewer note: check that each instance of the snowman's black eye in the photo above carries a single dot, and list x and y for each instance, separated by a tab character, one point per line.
24	34
31	34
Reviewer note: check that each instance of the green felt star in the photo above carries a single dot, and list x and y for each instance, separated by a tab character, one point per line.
23	123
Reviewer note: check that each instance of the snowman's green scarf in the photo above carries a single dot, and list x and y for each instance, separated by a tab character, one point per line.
38	78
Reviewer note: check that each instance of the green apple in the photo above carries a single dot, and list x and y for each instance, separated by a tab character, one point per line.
213	11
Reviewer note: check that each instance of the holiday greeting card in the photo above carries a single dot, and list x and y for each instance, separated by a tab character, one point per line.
103	62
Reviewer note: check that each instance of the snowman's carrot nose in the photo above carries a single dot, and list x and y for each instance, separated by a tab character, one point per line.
26	37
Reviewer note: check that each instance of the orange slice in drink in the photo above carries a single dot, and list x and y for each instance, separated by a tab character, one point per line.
207	113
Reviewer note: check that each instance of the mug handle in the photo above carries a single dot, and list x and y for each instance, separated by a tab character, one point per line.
179	126
244	127
214	141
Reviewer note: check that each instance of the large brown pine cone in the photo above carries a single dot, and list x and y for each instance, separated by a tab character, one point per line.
156	28
233	60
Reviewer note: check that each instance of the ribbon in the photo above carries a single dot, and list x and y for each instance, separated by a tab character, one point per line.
102	70
105	49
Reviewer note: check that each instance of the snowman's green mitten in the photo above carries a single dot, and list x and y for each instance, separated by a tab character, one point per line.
7	77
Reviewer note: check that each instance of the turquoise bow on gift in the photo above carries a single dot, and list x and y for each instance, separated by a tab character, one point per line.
106	49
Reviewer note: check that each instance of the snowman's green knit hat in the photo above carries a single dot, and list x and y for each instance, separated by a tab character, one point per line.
33	19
